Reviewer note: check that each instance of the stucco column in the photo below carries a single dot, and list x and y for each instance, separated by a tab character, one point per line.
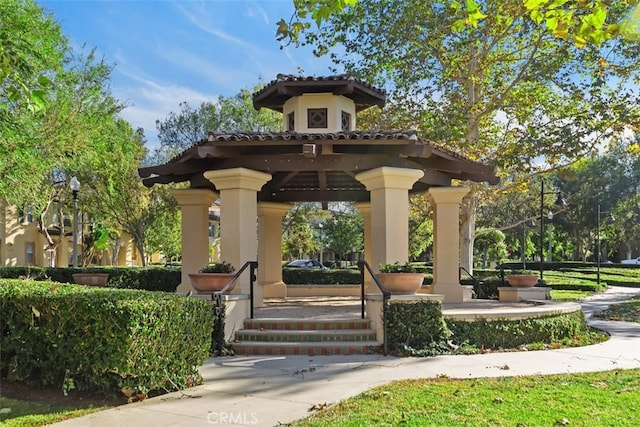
389	209
446	241
365	210
238	217
270	250
194	205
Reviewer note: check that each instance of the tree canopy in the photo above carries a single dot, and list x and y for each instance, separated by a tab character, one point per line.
79	132
502	88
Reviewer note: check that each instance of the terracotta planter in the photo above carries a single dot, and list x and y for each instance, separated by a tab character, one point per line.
92	279
207	283
401	283
522	280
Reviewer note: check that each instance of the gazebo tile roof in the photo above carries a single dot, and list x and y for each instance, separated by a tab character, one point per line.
386	136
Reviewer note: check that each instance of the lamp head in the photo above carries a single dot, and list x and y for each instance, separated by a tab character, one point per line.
560	201
74	184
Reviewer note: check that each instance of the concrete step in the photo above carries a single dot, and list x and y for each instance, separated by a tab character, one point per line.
329	335
261	348
305	324
278	336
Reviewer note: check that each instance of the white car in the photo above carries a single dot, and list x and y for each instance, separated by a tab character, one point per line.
631	261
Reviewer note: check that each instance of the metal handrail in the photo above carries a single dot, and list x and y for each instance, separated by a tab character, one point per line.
217	298
386	295
461	269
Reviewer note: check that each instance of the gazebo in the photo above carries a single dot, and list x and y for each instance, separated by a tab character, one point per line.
319	157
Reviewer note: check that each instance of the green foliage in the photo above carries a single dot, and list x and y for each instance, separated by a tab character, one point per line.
298	238
416	328
344	232
496	334
150	279
102	339
219	267
26	61
396	267
301	276
180	130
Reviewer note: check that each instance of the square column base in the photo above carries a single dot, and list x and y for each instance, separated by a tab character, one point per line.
453	292
513	294
274	290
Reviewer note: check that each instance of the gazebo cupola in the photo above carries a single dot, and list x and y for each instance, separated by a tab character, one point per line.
318	104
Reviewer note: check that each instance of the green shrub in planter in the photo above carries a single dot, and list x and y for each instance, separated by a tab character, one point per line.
496	334
102	339
416	327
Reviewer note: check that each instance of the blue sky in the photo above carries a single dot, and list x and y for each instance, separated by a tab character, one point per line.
169	51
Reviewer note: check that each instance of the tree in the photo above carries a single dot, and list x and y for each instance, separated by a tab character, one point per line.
344	231
31	47
582	21
78	134
179	131
164	229
298	239
420	226
503	90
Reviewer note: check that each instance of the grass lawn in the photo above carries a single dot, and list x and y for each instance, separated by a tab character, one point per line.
628	311
31	414
594	399
568	295
29	406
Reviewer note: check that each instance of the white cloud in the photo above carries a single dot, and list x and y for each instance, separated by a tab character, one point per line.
153	100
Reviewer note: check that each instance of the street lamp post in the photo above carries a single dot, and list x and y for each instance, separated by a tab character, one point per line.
598	221
321	226
559	202
550	252
75	188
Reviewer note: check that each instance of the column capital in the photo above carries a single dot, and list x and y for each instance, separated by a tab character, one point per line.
388	177
447	194
194	196
237	178
363	207
273	208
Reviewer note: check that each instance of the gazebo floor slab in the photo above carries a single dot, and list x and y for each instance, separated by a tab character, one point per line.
345	307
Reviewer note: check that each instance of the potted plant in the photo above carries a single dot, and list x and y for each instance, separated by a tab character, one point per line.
522	278
212	278
91	279
400	279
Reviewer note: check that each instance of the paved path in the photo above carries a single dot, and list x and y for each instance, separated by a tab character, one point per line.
266	391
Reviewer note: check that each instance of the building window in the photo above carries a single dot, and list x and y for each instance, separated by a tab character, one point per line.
30	253
346	121
317	118
291	121
25	216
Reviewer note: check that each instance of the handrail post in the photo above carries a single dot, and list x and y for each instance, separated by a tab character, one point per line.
361	267
386	295
252	279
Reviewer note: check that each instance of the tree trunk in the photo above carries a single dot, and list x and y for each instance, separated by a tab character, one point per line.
467	230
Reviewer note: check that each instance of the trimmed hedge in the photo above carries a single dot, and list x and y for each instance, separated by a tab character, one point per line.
495	334
102	339
416	328
150	279
303	276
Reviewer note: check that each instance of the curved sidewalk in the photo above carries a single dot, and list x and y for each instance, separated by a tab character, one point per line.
267	391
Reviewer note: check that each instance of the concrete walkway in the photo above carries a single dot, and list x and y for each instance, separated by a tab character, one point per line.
267	391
